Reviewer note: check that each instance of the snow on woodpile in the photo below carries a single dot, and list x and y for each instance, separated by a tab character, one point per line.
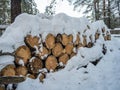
41	45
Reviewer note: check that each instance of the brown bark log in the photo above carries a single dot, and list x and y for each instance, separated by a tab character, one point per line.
24	53
65	39
77	41
50	41
57	50
97	35
44	51
35	65
58	38
21	70
109	37
42	77
32	41
51	63
31	76
69	48
72	54
11	80
63	58
70	37
9	70
84	41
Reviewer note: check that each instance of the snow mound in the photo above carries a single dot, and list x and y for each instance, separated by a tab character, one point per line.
104	76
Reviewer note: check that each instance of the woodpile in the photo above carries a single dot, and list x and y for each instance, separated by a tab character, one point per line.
51	54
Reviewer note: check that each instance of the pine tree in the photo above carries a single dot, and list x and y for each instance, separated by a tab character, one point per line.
4	12
50	10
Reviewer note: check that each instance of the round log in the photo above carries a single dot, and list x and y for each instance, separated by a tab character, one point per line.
51	63
57	50
69	48
103	30
72	54
35	64
31	76
97	35
24	53
32	41
21	70
65	39
44	51
42	77
9	70
58	38
109	37
70	37
77	41
63	59
50	41
84	41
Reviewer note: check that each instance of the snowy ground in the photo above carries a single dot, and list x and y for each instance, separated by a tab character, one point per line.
104	76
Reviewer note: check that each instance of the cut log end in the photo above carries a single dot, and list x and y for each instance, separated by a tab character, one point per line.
65	39
32	41
9	70
63	58
21	70
35	65
50	41
51	63
57	50
24	53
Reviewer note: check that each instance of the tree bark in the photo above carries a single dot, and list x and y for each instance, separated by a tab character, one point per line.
15	9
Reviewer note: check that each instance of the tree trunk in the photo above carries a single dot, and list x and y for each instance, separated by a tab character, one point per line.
104	12
109	14
15	9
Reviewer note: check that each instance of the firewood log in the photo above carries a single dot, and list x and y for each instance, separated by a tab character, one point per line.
97	35
50	41
80	45
51	63
109	37
103	30
44	52
70	37
57	50
24	53
84	41
31	76
77	41
69	48
32	41
34	65
90	44
21	70
65	39
8	70
63	59
72	54
58	38
42	77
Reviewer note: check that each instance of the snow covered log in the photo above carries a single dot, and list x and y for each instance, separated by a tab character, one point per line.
23	52
32	41
63	59
34	65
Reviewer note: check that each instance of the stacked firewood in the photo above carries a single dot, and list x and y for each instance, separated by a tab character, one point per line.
38	57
